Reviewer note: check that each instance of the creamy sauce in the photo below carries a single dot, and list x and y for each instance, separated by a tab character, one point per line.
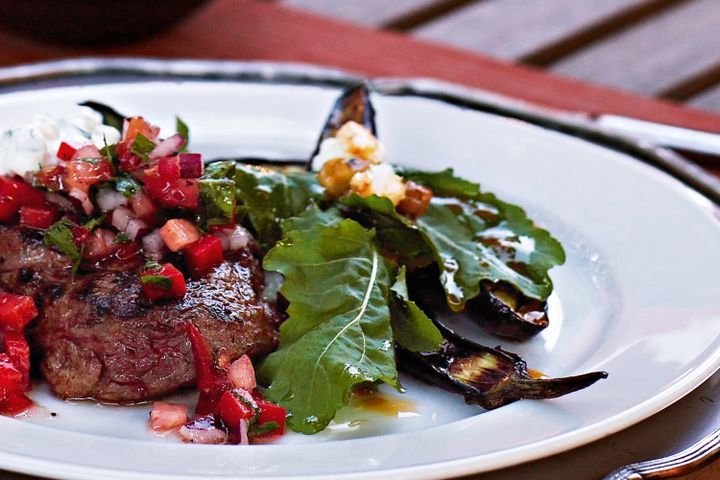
27	147
370	399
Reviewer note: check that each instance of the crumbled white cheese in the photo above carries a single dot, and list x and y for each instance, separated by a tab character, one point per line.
352	140
31	146
380	180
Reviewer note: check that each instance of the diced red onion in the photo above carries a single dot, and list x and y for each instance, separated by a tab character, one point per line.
244	440
88	151
60	201
109	199
233	238
167	416
154	245
242	374
84	200
203	430
191	165
121	216
167	147
135	228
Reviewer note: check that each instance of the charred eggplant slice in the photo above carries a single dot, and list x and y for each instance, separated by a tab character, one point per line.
502	310
489	377
353	105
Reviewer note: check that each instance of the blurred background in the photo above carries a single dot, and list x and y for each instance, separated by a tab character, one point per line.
667	49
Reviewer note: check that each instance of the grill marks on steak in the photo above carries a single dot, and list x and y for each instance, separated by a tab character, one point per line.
28	267
101	338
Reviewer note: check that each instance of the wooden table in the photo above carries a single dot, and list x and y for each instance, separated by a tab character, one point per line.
663	51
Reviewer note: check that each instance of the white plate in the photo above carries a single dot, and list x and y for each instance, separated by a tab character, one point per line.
639	296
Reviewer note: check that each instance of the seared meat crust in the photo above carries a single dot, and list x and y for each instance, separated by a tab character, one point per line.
102	339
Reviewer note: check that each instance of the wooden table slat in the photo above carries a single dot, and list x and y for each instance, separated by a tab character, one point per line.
250	30
652	57
373	13
513	29
708	100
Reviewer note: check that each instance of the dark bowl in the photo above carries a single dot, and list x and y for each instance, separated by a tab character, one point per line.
93	22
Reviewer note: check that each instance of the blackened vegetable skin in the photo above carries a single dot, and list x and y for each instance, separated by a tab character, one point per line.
502	310
353	105
489	377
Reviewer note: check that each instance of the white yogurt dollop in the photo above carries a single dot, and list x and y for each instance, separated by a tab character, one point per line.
34	145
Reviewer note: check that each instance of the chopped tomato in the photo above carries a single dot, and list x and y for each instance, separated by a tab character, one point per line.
269	412
22	193
39	217
135	125
8	210
65	152
128	251
16	311
84	173
16	347
163	282
143	206
12	399
51	178
167	416
236	405
211	382
241	374
172	192
100	245
80	235
169	168
179	233
204	255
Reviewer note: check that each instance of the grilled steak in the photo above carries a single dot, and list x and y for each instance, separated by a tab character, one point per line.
101	338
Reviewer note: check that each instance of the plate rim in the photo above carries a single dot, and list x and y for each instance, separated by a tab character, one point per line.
37	75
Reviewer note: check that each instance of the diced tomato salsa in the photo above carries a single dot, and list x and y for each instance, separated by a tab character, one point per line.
149	192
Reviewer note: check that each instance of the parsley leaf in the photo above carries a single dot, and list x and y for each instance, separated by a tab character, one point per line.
263	429
127	185
142	146
157	280
217	197
338	332
60	236
182	128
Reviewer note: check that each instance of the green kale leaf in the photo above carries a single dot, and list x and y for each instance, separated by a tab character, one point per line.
396	235
271	197
412	329
338	333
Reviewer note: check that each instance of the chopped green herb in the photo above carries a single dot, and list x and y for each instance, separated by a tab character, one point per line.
93	223
218	199
157	280
142	146
182	128
263	429
127	185
121	238
152	265
60	236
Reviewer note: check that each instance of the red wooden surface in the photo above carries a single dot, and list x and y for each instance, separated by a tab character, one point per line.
252	30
